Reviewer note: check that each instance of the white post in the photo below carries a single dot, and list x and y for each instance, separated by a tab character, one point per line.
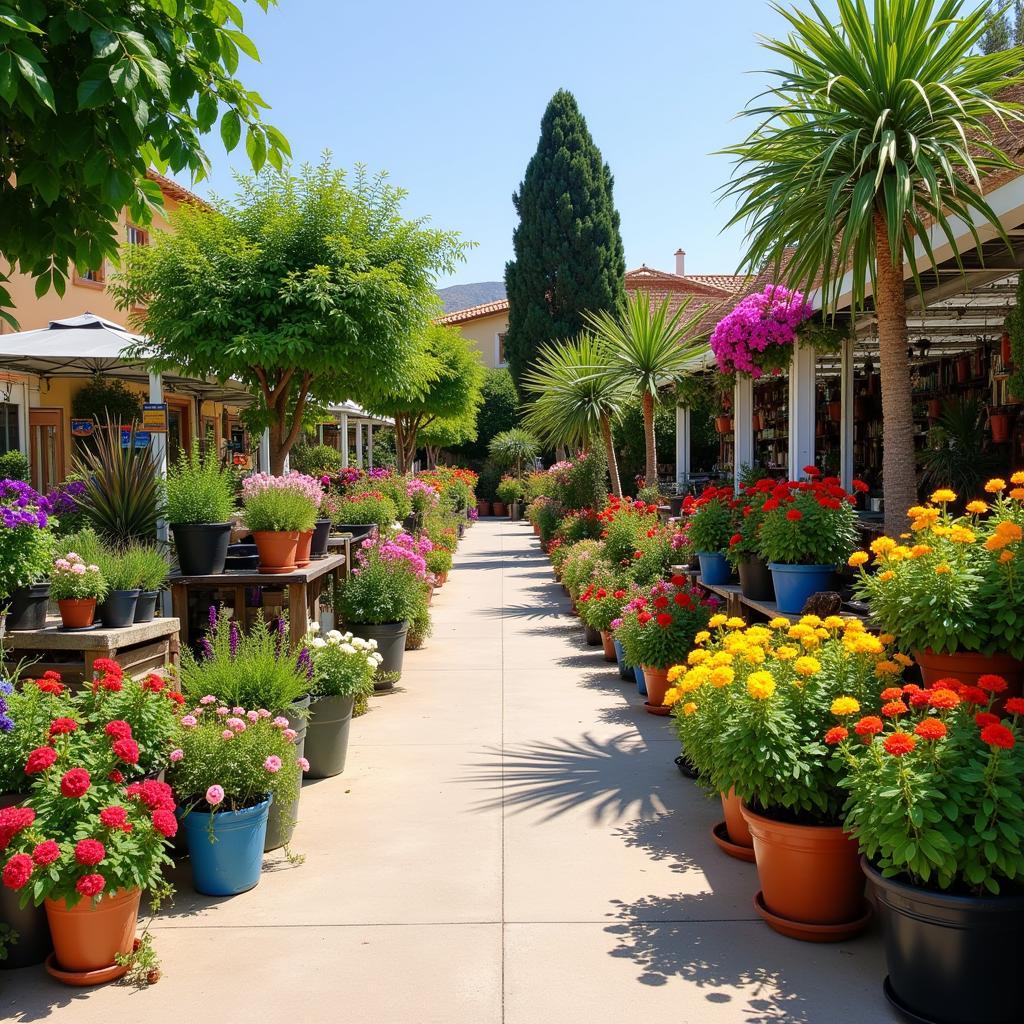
344	440
359	443
801	410
846	415
743	426
369	446
320	432
159	443
264	456
682	445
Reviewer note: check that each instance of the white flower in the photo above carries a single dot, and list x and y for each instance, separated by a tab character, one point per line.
347	648
378	658
314	627
334	635
318	642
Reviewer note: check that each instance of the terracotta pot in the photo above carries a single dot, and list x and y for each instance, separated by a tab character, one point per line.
442	578
999	424
89	935
430	594
755	423
968	667
809	874
735	823
963	369
77	612
278	550
934	408
304	550
723	424
499	507
483	508
536	530
835	411
657	684
1005	349
609	645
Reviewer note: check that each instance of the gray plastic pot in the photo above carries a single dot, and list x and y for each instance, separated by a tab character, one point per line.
145	610
118	608
390	637
284	812
27	609
327	736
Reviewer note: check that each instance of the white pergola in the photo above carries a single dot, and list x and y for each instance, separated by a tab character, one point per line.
349	414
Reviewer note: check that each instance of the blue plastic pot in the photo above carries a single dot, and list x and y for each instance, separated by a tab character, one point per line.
795	583
641	683
714	568
232	861
625	672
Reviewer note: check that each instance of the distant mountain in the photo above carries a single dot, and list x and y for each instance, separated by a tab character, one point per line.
462	296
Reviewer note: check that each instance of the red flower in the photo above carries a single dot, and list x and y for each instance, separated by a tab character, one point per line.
997	735
794	515
661	601
165	823
931	729
920	699
664	619
678	580
107	665
17	871
75	783
157	796
770	505
12	821
173	695
45	852
113	817
154	683
974	695
945	699
899	743
859	485
735	539
62	726
683	600
836	734
90	885
894	709
50	683
812	471
892	693
89	852
870	725
638	554
644	617
127	751
619	595
40	759
118	730
1015	706
992	683
116	776
985	718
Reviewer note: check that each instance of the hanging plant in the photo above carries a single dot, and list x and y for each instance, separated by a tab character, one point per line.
824	338
757	336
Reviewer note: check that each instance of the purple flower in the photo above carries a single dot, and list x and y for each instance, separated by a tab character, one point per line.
212	616
6	723
305	662
206	647
764	319
233	638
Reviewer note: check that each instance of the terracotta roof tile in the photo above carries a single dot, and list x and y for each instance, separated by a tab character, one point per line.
462	316
176	191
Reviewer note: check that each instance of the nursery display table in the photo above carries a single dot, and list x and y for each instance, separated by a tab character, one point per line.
302	588
140	648
735	603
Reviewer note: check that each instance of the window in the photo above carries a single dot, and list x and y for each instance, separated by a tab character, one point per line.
10	427
136	236
500	349
92	278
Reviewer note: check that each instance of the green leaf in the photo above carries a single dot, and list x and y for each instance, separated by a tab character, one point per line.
206	111
104	43
256	147
94	92
33	74
8	83
124	76
243	42
230	129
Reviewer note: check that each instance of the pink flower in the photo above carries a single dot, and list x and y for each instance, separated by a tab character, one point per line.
281	722
188	721
272	764
208	699
222	711
303	764
177	755
290	734
238	711
263	713
235	723
253	716
227	734
214	795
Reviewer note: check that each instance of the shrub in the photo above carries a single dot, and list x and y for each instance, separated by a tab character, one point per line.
281	503
745	543
711	519
439	561
26	544
314	459
581	483
26	711
601	603
200	489
579	563
14	466
386	583
808	523
366	507
107	398
510	489
394	487
624	524
658	628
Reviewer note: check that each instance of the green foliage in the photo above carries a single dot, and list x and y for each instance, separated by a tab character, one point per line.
631	446
26	554
487	482
547	514
146	567
394	487
380	591
600	604
712	520
32	710
956	455
660	634
93	94
384	450
14	466
307	287
200	489
583	482
569	257
582	524
366	507
439	561
107	398
343	665
510	489
512	449
499	410
624	528
317	459
803	531
580	562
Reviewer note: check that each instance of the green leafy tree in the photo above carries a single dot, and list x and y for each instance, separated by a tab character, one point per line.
568	252
307	287
998	35
92	94
860	150
499	410
452	374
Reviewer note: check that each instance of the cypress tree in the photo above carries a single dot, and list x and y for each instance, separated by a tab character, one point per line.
568	251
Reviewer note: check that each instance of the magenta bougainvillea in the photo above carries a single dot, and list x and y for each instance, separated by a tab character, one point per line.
758	334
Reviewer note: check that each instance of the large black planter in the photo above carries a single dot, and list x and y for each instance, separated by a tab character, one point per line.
593	637
242	556
756	579
33	943
145	609
284	813
951	959
27	609
201	547
359	531
327	736
118	608
321	535
390	637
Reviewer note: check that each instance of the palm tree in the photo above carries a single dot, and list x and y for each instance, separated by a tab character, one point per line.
574	402
879	128
648	349
511	448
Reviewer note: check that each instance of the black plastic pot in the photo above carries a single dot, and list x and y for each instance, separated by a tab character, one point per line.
33	943
411	523
390	637
27	609
951	959
327	736
321	535
284	812
593	637
118	608
201	547
242	556
359	531
145	609
756	579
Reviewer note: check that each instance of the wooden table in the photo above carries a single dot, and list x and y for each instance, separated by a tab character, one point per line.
735	603
139	649
303	588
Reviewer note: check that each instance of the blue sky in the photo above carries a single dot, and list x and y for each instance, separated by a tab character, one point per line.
447	97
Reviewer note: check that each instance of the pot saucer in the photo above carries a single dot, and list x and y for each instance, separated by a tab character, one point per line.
896	1003
78	629
812	932
657	709
720	834
83	979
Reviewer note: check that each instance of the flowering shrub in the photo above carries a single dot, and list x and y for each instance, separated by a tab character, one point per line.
65	503
366	507
581	482
454	484
658	628
343	665
750	705
579	565
439	561
956	584
422	497
275	503
228	758
583	524
601	603
623	523
387	582
711	519
25	716
745	543
810	522
934	789
546	514
26	542
72	577
758	334
510	489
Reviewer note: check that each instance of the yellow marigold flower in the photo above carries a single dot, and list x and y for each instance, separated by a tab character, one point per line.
961	535
857	559
697	657
916	511
810	620
834	621
886	668
1009	531
942	531
853	625
906	536
785	653
943	496
735	623
671	696
779	622
806	666
886	576
674	673
942	570
886	638
722	676
995	485
798	630
822	633
717	620
758	634
902	659
761	685
810	642
996	542
843	706
1017	494
881	546
976	507
720	658
1017	478
702	637
1006	556
755	656
689	707
920	549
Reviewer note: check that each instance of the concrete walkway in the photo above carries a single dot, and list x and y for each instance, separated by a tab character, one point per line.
511	842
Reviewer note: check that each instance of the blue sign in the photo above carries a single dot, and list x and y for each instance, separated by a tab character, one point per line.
142	437
82	428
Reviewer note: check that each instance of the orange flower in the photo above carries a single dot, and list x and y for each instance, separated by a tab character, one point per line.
931	729
836	735
998	736
870	725
899	743
894	709
995	485
943	699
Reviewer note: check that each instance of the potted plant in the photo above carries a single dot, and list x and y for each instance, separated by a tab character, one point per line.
200	507
757	335
343	669
26	555
808	528
510	493
149	572
743	552
118	607
999	424
423	499
711	518
658	630
76	586
227	767
280	511
934	802
751	706
320	543
601	604
950	593
439	564
363	512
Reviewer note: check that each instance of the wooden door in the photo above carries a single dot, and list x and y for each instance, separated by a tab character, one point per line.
46	447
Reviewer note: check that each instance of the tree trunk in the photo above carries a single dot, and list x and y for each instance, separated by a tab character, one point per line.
609	451
899	474
651	467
